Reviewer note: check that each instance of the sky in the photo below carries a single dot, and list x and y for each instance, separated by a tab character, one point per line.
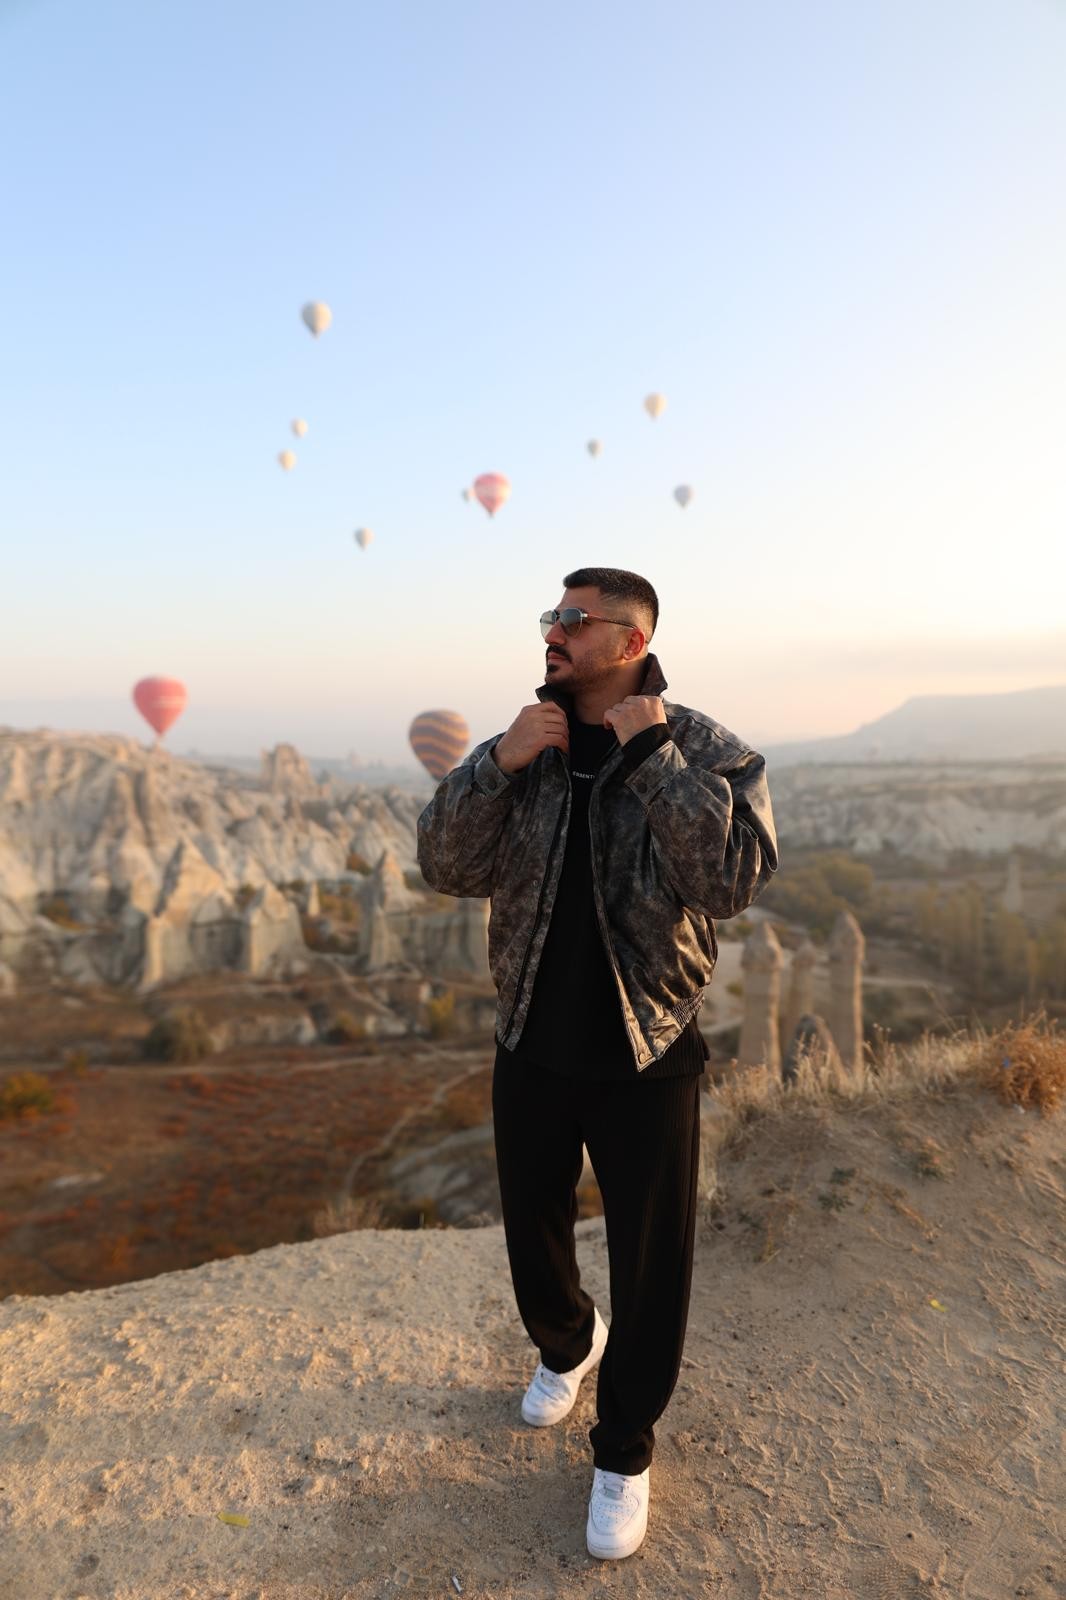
834	236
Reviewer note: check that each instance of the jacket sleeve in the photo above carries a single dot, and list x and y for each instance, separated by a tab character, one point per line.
712	827
460	829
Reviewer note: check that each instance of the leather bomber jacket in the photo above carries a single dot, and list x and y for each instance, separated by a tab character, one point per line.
685	838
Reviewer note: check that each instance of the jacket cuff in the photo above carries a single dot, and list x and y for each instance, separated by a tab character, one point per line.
656	771
641	746
488	779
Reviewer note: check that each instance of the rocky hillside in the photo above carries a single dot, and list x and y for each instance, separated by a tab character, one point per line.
101	836
122	864
923	810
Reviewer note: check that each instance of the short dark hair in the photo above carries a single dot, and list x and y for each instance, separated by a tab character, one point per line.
615	583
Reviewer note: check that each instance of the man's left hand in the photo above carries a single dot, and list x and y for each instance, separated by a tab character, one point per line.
633	714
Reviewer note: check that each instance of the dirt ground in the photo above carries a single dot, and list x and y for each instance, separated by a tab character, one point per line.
870	1406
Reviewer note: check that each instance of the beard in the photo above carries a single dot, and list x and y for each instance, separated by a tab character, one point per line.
586	673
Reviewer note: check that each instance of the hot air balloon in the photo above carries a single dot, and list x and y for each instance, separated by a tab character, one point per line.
683	494
594	447
467	494
363	537
287	458
655	405
493	490
317	315
299	427
438	739
160	701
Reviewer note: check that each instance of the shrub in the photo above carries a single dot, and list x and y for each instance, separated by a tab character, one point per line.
316	933
342	906
357	863
346	1029
57	909
440	1013
1027	1064
179	1035
24	1094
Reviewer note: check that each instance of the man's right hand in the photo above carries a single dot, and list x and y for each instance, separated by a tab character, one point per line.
533	730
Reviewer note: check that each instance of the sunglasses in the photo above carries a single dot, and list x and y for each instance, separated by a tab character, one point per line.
570	620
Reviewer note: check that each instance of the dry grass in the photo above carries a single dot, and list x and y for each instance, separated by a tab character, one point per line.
346	1214
1024	1064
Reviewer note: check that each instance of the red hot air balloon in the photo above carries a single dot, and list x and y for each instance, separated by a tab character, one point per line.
493	490
438	739
160	701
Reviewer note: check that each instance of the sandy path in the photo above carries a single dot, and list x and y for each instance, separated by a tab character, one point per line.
833	1433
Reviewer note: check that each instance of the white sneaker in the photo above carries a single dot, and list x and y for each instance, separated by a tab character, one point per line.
551	1395
618	1514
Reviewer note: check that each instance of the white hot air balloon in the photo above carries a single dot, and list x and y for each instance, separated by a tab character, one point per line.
317	316
683	494
299	427
594	447
287	458
655	405
363	537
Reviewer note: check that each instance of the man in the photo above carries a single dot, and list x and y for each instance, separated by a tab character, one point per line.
609	828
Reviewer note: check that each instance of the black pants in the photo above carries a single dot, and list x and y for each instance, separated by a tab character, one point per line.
643	1141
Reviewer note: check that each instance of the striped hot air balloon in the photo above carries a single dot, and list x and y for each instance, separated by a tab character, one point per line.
493	490
438	739
160	701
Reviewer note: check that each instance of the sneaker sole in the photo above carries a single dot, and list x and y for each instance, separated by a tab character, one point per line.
544	1422
616	1552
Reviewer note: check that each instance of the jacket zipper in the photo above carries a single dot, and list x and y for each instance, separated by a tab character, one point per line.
623	997
563	810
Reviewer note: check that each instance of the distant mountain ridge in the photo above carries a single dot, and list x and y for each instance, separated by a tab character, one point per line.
1021	724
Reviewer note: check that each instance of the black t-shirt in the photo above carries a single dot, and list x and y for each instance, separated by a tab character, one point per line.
574	1025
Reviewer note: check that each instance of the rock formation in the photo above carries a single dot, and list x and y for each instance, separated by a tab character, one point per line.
847	948
924	810
148	867
1013	894
456	942
761	963
285	771
800	990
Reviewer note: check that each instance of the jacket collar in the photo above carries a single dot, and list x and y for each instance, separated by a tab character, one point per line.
653	682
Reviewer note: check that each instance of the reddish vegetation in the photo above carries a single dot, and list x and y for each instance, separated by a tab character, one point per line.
196	1164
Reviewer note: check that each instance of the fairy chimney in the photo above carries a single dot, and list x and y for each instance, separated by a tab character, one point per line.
847	948
800	1001
761	963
